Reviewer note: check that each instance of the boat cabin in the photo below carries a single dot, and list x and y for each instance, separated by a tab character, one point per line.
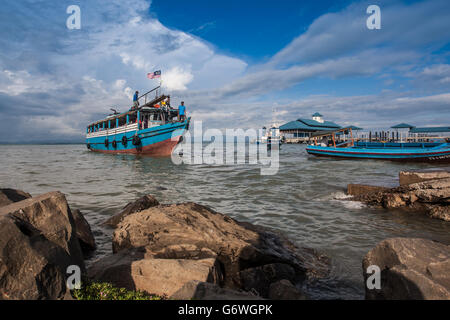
155	112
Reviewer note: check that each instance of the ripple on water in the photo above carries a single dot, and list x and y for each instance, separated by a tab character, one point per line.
305	200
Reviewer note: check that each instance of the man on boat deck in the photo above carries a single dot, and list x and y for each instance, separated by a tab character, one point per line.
135	99
181	112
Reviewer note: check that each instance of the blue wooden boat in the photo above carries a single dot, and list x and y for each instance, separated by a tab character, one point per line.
151	129
398	151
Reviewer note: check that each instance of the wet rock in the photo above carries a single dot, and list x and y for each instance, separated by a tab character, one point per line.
37	244
83	232
208	291
439	212
410	177
140	204
431	197
134	270
361	189
284	290
8	196
410	269
259	279
192	231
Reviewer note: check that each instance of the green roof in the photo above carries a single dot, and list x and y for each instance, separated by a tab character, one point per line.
354	128
317	115
402	126
430	129
307	124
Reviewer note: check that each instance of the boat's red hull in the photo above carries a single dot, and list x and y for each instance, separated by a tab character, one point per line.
158	149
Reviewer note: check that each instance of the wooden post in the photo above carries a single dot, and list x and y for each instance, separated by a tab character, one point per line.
351	135
334	140
138	120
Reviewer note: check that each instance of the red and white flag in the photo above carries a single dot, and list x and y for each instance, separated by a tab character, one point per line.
154	75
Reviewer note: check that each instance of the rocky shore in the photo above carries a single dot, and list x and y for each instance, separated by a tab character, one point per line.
424	191
179	251
189	251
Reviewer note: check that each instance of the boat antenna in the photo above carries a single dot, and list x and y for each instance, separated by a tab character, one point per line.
113	110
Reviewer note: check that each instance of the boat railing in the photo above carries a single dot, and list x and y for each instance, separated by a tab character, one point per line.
113	131
150	95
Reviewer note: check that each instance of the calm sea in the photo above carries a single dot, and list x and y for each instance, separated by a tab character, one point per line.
305	200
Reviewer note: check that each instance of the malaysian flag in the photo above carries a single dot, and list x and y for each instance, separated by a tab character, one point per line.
154	75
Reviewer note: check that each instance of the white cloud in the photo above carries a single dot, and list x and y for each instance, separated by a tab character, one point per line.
177	78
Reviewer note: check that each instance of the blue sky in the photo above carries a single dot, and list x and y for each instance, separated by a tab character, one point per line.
232	62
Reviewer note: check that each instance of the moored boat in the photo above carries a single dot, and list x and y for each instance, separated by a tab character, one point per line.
151	129
399	151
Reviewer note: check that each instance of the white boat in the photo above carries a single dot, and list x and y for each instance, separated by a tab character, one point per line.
272	135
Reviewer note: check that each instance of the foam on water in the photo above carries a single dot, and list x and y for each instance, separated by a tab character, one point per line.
304	200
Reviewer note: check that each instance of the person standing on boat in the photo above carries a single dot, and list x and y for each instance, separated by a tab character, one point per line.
135	100
181	112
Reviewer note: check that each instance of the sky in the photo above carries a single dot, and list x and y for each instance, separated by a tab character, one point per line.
236	64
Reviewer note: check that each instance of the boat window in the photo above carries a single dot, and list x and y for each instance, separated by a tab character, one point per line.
133	118
122	121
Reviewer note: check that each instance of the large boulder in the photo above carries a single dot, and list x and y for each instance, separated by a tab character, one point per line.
132	269
415	176
410	269
198	290
37	244
8	196
244	251
140	204
83	232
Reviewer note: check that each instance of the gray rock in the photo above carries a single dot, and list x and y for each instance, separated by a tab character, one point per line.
140	204
410	269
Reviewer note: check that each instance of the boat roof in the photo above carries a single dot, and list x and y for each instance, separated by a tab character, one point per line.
330	132
146	107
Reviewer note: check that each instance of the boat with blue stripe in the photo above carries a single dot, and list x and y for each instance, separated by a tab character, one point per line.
151	129
397	151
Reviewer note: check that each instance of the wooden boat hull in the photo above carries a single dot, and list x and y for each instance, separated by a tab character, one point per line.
436	154
157	141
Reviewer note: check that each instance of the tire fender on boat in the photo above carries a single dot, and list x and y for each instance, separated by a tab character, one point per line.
106	142
136	140
114	144
124	141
